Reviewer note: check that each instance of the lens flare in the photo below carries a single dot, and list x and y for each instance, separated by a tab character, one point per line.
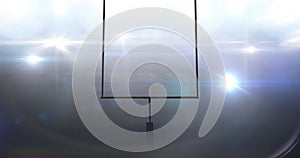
34	59
231	82
251	50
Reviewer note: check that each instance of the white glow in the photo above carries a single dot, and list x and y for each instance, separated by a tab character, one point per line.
230	82
283	12
15	8
251	49
60	7
34	59
236	6
59	43
292	42
114	7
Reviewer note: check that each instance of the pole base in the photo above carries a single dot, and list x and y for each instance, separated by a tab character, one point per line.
149	126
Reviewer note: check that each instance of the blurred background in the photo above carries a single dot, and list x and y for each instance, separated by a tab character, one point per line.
259	41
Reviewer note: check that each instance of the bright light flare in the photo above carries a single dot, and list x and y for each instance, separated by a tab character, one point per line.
59	43
34	59
231	82
251	50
